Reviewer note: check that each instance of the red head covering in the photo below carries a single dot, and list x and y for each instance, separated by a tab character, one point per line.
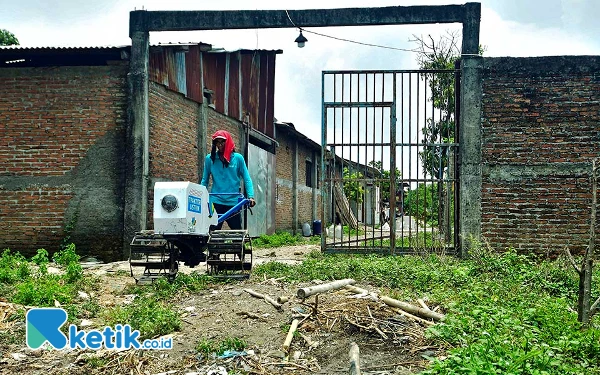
229	145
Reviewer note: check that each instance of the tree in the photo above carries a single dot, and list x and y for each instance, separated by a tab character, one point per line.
353	188
439	132
7	38
441	55
385	176
585	308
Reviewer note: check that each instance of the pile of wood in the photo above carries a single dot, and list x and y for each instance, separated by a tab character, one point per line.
384	317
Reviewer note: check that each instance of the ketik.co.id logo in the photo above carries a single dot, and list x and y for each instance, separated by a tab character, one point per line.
43	324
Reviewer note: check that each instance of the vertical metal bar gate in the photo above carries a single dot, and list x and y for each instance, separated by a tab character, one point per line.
388	161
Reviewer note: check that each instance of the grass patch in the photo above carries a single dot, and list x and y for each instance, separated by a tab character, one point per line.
151	316
209	347
150	312
283	239
506	313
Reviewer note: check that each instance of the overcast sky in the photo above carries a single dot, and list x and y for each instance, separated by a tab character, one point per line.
508	28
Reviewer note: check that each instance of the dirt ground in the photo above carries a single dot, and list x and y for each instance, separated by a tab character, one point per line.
388	340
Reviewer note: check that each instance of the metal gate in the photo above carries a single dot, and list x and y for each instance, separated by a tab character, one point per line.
389	161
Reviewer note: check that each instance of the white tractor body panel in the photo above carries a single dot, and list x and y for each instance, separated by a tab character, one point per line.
190	214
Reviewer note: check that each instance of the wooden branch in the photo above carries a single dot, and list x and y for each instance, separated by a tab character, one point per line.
309	291
354	359
412	309
361	292
309	341
423	304
356	289
416	318
290	335
265	297
572	260
250	315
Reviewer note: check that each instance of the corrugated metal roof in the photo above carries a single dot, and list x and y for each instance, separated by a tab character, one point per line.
80	48
241	82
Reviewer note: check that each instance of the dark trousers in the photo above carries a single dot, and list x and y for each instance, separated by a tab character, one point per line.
234	222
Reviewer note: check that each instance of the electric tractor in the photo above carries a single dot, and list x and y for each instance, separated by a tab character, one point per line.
184	222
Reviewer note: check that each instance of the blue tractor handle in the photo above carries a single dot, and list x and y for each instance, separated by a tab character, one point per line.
242	203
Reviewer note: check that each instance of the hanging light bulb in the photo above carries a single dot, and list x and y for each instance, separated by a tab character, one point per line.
301	40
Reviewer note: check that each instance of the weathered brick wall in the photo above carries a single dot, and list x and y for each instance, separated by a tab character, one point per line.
305	200
540	130
173	143
61	149
284	213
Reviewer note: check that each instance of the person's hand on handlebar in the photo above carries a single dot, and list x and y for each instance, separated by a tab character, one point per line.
252	202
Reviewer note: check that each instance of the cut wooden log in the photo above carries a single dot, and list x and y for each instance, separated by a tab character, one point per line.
282	299
415	318
356	289
354	359
309	291
290	335
412	309
265	297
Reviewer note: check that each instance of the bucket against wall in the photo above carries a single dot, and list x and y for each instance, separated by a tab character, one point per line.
317	228
306	230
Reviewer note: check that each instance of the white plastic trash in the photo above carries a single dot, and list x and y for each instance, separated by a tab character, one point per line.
306	230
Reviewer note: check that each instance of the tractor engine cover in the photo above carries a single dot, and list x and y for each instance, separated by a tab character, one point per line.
182	207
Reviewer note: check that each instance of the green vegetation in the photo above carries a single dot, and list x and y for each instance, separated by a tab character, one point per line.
534	331
28	282
505	313
150	315
283	239
7	38
208	347
384	184
353	187
422	203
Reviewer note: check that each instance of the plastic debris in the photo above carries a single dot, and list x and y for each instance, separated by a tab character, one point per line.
232	354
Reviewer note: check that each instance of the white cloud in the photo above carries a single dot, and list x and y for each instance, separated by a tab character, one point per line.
509	38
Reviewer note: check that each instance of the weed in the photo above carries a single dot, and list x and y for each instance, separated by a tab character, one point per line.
281	239
208	347
69	259
147	314
535	331
13	267
96	362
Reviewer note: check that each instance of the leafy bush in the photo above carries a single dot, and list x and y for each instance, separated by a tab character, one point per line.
13	267
69	259
28	282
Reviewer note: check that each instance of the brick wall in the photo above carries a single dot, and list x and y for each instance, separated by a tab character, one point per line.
173	143
284	213
61	148
540	130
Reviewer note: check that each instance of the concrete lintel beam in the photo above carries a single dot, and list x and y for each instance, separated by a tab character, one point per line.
142	20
